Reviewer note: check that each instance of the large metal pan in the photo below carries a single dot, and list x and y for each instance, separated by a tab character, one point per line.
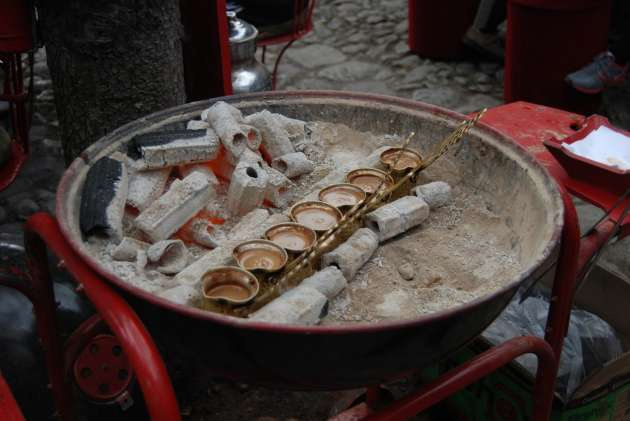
347	356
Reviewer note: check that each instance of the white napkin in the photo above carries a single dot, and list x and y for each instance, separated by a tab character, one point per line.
605	146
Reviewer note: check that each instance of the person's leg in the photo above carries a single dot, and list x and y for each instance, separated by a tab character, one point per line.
498	14
620	41
483	34
611	67
483	13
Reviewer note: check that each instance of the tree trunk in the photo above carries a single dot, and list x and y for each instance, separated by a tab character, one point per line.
111	62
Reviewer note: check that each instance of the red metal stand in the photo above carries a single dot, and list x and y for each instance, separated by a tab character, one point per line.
528	124
8	406
302	25
14	93
41	234
16	37
436	28
205	49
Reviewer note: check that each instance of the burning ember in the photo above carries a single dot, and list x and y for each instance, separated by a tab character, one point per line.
230	215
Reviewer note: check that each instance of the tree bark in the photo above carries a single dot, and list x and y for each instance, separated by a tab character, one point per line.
111	62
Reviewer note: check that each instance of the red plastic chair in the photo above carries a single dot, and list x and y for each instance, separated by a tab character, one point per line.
302	25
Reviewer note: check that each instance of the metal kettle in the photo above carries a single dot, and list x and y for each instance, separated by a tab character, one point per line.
248	75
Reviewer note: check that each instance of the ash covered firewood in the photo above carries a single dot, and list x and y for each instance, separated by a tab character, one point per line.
293	164
397	217
295	128
278	191
185	171
127	250
146	186
299	306
307	303
103	199
436	194
275	138
197	125
351	255
169	256
235	135
330	281
170	148
248	187
173	209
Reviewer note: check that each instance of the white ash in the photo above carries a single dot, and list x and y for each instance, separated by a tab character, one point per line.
127	250
459	253
275	138
146	186
293	164
197	125
295	128
279	187
168	256
436	194
180	151
172	210
248	187
204	169
300	306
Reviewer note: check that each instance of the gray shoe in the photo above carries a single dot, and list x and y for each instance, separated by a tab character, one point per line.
602	72
487	44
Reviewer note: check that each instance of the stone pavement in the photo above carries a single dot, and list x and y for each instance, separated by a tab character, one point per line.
361	45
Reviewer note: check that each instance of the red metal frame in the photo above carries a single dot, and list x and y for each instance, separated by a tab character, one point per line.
42	233
528	124
302	25
206	49
8	406
14	93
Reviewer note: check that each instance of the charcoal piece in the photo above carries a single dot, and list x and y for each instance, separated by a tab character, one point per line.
134	148
103	199
170	148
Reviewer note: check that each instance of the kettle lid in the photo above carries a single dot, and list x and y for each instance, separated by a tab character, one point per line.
240	31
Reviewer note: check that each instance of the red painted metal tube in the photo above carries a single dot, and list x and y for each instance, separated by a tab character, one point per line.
592	243
42	230
574	256
43	299
473	370
9	408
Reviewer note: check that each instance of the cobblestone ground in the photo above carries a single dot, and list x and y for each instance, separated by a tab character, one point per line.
357	45
361	45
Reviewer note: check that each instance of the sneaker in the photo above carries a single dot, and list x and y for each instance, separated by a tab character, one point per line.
487	44
601	73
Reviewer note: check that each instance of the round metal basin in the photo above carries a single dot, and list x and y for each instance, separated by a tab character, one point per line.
345	356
